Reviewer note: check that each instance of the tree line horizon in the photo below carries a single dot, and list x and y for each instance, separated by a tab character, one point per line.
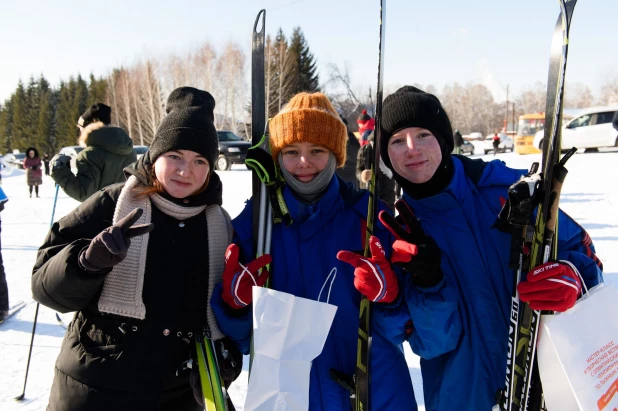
39	115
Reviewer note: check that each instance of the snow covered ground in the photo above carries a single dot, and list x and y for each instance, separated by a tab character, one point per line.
589	195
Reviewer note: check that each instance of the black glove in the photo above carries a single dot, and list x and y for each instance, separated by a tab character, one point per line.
414	251
111	245
60	161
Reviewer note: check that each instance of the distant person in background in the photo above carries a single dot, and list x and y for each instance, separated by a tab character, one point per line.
496	143
34	174
348	171
108	150
4	289
386	184
46	163
366	124
459	142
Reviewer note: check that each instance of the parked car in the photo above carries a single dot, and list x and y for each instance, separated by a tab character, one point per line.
474	136
232	150
71	151
140	150
467	147
506	143
14	159
591	129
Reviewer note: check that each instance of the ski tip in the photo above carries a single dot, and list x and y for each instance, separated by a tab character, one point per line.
262	15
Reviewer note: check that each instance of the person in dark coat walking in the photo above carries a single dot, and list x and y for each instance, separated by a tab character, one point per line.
386	184
459	142
348	171
34	174
138	261
495	141
4	289
46	163
108	150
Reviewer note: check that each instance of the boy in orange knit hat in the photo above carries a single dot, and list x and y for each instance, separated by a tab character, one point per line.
308	142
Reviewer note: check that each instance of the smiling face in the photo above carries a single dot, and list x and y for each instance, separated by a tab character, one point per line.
181	173
415	154
304	160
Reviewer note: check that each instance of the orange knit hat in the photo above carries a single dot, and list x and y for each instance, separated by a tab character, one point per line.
312	118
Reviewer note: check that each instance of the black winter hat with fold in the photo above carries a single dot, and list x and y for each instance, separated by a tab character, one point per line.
189	125
96	112
412	107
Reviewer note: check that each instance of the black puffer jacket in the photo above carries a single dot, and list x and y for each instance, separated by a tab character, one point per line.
108	362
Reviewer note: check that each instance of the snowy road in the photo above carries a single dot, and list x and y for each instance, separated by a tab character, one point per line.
590	195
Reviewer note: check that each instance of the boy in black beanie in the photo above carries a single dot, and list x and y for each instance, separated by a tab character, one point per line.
446	237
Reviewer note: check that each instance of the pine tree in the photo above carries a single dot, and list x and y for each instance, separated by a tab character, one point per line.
6	123
80	97
44	138
97	91
306	77
19	124
65	118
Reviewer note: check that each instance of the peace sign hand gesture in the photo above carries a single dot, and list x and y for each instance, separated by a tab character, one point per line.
110	246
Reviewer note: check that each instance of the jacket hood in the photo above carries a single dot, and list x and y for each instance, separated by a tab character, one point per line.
109	138
212	195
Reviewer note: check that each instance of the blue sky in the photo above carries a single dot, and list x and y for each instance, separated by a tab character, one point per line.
427	42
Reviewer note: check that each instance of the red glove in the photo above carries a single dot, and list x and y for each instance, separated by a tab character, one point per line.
238	280
374	276
554	286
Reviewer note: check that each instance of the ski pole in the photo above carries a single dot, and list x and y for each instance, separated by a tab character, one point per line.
36	312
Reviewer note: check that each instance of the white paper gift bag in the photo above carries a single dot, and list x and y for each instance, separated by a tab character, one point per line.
288	333
578	354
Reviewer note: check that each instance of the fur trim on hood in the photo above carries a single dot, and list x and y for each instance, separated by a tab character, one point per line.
83	137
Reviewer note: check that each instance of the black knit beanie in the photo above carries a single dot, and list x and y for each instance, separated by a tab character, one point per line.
412	107
96	112
189	125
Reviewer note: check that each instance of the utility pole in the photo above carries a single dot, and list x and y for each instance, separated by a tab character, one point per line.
514	124
506	112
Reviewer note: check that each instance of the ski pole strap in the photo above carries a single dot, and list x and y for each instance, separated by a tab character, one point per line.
261	161
280	209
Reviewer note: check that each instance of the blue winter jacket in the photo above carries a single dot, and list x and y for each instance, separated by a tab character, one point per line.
475	259
304	254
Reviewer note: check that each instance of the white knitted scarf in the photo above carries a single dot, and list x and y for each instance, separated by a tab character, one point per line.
123	286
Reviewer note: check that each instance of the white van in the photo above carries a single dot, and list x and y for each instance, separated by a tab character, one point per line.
592	128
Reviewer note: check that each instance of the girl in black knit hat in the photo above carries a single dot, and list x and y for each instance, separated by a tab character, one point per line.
137	262
447	239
